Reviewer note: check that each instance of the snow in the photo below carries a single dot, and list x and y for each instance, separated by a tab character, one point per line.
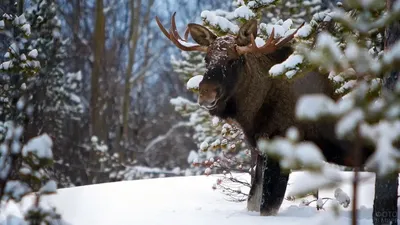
279	31
253	4
184	200
40	146
219	21
349	122
179	101
306	182
20	20
342	197
244	12
204	146
16	189
49	187
327	45
304	31
259	42
192	157
383	134
94	139
287	24
311	107
187	44
27	29
215	121
6	65
193	83
290	64
33	53
293	156
22	57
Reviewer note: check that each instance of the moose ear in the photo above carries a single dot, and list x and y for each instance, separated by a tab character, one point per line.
243	37
201	34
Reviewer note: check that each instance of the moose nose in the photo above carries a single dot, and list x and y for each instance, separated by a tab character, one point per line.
207	95
206	102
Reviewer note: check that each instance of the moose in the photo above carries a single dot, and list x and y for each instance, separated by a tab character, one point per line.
237	86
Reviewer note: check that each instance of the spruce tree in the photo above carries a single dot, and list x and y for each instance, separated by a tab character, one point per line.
23	162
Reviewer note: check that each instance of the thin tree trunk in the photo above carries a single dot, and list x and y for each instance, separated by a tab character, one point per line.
136	30
97	122
385	201
132	43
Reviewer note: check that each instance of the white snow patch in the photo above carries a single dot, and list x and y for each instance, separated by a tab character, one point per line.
313	106
33	53
215	120
26	28
215	20
184	199
291	63
49	187
349	122
193	83
192	157
383	134
304	31
287	24
244	12
40	146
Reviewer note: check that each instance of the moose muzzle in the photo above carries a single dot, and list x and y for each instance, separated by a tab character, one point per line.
208	95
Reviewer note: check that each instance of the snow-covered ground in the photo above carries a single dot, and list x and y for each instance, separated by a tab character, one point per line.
188	200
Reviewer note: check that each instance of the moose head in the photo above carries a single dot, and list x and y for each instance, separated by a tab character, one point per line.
224	58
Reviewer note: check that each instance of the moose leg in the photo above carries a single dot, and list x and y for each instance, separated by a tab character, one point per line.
273	188
255	193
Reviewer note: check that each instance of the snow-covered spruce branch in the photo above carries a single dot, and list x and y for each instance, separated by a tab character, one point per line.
162	137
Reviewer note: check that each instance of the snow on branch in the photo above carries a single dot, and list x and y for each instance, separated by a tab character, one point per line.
163	137
293	155
386	156
193	83
309	181
212	18
289	67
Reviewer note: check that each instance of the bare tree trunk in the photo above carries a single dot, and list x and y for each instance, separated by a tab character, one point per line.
132	43
136	29
97	122
385	202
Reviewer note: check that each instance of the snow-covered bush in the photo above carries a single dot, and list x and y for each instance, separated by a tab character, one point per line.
23	171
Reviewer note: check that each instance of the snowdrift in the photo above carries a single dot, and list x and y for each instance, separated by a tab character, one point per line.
188	200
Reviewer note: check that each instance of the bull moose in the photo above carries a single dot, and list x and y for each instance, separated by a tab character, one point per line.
237	86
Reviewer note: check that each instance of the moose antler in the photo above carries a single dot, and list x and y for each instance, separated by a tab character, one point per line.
270	45
175	38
